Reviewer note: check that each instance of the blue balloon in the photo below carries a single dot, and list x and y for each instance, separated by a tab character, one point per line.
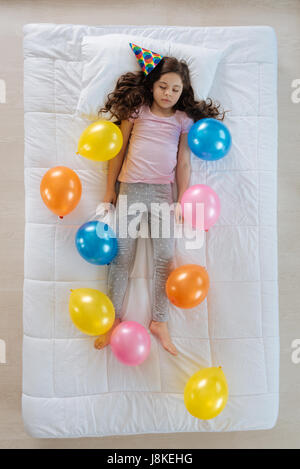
96	242
209	139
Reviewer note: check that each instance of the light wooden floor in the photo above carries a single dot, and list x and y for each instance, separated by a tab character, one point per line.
284	16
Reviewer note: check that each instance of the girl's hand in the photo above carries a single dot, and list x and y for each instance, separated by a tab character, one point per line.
110	197
178	213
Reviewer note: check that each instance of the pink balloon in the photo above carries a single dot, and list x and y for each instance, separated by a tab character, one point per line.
200	193
130	343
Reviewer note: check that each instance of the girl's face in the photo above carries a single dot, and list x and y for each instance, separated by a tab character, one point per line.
167	90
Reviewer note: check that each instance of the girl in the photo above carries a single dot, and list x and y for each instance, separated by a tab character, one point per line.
155	113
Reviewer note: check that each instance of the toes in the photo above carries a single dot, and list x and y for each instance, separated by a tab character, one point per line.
99	344
171	348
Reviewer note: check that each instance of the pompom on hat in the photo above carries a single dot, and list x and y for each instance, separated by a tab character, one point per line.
147	59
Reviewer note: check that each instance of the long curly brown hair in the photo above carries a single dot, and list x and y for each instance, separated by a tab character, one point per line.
133	89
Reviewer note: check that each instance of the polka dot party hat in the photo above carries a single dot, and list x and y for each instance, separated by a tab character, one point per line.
146	58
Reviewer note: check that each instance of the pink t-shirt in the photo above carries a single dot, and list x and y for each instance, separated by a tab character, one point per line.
153	147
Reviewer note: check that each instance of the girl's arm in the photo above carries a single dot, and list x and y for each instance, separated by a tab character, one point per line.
183	167
115	164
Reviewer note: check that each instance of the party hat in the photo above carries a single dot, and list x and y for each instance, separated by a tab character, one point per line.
146	58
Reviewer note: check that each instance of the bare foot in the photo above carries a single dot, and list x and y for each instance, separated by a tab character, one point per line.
104	339
160	329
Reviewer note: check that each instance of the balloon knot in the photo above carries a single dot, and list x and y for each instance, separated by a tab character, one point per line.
61	217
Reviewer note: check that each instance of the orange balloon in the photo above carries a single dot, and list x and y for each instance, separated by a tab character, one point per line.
61	190
187	286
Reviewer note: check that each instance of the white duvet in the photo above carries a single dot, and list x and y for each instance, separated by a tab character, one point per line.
69	388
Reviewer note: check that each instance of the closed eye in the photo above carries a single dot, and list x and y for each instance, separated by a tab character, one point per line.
176	91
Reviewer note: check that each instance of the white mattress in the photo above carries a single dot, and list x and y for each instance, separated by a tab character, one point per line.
72	390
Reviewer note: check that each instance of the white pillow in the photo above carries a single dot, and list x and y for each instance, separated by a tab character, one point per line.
107	57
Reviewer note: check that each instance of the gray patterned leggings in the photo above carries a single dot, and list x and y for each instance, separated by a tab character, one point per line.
163	247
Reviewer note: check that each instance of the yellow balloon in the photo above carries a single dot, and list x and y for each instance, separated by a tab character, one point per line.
206	393
100	141
91	311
